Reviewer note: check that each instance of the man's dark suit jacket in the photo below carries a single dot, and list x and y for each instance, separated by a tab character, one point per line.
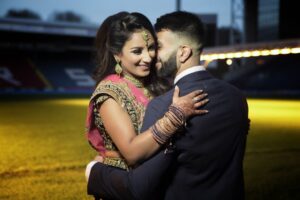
209	154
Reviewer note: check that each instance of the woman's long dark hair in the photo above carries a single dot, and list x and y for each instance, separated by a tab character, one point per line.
110	39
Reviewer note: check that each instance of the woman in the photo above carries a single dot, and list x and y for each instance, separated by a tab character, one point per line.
126	81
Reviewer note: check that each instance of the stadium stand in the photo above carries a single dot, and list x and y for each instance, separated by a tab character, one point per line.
43	57
38	57
19	73
276	76
69	73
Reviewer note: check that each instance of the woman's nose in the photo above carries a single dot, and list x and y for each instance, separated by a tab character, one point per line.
146	57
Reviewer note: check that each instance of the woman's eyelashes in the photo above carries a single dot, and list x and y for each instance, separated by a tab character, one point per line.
139	50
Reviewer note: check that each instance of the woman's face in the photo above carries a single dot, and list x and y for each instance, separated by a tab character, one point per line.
137	54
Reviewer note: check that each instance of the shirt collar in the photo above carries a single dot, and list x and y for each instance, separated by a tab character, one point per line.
187	72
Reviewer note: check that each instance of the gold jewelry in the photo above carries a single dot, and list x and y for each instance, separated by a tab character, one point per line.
145	36
118	68
134	81
147	93
138	84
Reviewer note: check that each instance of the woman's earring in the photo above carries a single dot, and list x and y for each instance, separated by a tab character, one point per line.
118	69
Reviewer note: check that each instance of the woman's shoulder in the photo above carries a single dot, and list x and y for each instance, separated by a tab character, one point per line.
111	81
111	85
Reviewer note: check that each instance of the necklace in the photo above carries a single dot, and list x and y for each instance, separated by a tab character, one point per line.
138	84
134	81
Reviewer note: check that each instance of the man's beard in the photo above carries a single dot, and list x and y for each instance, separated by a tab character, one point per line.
168	68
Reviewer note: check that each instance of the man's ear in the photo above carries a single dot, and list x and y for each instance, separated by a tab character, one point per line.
185	53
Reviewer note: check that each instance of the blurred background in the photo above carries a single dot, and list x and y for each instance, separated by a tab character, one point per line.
46	46
46	62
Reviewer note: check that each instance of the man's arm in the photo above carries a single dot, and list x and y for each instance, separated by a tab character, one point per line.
139	183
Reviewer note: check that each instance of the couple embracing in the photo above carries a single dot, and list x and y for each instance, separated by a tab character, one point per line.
163	126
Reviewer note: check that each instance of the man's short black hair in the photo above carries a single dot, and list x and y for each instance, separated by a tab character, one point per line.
183	23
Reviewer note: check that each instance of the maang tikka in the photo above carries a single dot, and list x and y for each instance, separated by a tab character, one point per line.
145	36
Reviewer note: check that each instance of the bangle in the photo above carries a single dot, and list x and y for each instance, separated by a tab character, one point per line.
165	127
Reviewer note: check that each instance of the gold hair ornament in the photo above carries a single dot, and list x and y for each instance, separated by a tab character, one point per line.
146	36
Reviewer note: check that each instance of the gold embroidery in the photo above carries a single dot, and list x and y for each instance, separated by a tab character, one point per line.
116	162
123	95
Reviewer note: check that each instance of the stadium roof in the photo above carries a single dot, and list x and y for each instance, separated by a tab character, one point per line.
42	27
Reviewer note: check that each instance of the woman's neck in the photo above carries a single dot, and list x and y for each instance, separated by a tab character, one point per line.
137	82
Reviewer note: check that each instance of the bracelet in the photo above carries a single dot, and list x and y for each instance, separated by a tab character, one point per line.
165	127
159	137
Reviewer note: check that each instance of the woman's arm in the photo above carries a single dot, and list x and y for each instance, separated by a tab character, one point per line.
119	126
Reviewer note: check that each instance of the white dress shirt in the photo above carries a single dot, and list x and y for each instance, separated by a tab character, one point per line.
187	72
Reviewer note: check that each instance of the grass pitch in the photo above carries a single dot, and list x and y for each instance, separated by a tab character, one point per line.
44	151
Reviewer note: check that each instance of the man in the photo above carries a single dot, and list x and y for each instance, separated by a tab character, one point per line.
209	155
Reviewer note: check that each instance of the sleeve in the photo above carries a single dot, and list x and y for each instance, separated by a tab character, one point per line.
106	91
98	100
101	98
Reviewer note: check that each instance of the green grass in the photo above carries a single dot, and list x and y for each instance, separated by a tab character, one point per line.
272	162
43	151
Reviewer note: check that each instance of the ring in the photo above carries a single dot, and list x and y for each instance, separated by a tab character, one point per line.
195	99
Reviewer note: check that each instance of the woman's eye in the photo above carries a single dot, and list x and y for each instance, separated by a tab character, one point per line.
137	51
